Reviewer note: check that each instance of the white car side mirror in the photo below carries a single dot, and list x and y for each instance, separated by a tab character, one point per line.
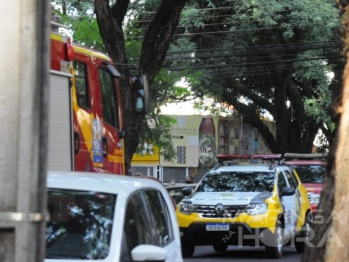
149	253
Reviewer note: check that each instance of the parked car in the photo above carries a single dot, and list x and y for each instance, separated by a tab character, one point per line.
175	191
97	217
257	204
311	169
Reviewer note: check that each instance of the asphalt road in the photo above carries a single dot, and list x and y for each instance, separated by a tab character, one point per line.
206	253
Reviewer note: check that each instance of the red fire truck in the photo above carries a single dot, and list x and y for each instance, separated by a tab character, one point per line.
85	111
311	169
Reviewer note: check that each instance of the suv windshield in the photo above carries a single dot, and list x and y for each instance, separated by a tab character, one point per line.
237	182
80	224
310	174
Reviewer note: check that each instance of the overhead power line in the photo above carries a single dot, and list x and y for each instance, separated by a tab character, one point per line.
289	53
264	71
225	32
247	64
207	15
330	43
196	9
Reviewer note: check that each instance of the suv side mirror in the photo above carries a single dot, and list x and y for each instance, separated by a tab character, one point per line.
186	191
140	94
287	191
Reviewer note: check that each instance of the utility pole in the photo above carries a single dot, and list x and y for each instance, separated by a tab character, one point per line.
24	68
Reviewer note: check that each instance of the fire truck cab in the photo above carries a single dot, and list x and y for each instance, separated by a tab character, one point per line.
311	169
85	109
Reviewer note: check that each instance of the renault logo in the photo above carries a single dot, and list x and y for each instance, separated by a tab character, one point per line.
219	209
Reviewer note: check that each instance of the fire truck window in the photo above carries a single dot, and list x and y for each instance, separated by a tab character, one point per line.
81	85
108	98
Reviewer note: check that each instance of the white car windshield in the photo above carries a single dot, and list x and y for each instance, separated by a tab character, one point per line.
80	224
237	181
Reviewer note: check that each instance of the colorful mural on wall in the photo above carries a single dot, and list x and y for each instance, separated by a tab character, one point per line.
198	139
207	141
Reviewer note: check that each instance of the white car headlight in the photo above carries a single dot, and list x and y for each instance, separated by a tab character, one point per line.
256	209
314	198
186	208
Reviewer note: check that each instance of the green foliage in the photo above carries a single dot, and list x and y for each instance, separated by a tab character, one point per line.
133	49
83	26
157	126
263	44
235	51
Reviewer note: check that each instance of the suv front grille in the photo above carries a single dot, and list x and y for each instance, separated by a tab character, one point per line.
209	211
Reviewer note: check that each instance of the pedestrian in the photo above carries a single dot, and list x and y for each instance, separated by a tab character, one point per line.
189	179
172	182
138	174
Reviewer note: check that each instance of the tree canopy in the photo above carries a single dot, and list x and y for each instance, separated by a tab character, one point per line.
264	56
276	57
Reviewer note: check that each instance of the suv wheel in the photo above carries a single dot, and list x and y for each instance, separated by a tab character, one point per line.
188	250
275	249
220	247
300	244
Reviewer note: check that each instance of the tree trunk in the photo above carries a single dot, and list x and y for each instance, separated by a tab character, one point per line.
337	249
330	242
155	45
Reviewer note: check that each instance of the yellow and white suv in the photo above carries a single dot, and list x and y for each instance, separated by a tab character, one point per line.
245	205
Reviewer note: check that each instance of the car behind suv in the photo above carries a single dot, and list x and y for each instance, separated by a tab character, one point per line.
263	204
311	169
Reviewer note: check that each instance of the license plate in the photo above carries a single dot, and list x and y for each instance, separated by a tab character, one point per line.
217	227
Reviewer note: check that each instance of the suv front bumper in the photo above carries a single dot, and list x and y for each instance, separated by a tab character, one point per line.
238	234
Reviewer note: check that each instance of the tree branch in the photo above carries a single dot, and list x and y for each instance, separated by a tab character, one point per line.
250	117
119	11
110	31
158	36
260	101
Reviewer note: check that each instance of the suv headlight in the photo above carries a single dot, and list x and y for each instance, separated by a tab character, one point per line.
314	198
256	209
186	207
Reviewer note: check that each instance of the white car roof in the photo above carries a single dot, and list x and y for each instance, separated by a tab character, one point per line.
108	183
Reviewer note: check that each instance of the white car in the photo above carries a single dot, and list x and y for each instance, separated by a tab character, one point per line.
111	218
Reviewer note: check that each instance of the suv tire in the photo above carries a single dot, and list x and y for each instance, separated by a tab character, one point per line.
275	250
299	244
188	250
220	247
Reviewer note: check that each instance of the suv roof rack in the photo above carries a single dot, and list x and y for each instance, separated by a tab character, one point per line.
270	157
228	160
298	156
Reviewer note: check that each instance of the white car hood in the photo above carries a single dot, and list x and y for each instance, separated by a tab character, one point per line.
225	198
